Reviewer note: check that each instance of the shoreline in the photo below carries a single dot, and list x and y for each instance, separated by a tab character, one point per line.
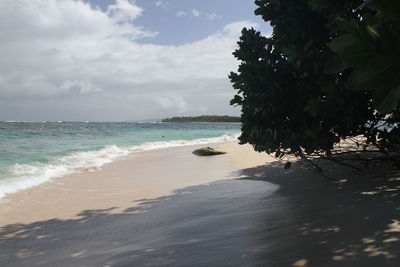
239	209
90	160
269	217
143	175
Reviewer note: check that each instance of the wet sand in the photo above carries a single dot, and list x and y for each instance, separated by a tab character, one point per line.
268	217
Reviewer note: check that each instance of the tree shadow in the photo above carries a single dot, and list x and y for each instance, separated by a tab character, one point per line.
268	217
351	221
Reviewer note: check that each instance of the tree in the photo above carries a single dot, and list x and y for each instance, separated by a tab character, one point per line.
372	48
294	92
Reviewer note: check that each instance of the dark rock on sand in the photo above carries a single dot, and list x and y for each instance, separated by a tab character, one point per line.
207	151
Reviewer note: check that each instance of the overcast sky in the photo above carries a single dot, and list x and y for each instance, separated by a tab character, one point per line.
116	60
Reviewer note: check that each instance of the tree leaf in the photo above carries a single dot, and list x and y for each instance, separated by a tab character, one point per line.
341	43
350	27
334	65
378	74
357	54
386	101
390	8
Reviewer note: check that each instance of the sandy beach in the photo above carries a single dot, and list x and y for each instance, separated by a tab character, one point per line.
144	175
170	208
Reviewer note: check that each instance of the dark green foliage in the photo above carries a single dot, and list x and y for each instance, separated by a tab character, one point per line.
372	47
207	151
204	118
294	91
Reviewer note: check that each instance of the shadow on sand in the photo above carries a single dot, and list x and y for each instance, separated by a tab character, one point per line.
268	217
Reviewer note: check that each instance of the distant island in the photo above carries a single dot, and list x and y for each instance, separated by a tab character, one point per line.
204	118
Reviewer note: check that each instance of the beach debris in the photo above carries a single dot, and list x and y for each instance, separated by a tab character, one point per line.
207	151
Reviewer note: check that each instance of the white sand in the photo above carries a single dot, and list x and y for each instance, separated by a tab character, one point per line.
118	185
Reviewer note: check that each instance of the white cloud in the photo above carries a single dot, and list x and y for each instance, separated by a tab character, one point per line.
213	16
236	27
181	14
209	16
124	11
81	87
161	4
77	62
196	13
172	102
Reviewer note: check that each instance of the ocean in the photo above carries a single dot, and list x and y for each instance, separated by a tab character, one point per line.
34	152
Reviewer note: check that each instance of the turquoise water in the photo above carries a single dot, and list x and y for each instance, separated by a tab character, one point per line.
34	152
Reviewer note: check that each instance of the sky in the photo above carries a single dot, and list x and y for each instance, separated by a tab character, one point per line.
118	60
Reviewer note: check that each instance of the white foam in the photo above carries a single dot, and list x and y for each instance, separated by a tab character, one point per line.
23	176
177	143
17	121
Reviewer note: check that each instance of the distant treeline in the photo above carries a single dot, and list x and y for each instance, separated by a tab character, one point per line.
204	118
